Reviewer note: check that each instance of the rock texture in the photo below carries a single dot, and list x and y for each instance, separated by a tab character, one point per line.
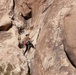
51	24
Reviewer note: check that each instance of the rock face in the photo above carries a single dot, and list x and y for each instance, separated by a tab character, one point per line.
51	24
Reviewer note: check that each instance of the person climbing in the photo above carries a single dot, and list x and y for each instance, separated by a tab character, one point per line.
27	42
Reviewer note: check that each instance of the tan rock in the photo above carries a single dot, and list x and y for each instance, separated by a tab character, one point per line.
70	38
51	29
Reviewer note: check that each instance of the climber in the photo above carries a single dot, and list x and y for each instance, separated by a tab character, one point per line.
27	42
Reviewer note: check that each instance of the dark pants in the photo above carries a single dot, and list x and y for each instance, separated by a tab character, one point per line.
28	46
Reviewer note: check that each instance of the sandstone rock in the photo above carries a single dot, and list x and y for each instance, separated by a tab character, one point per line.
70	38
12	61
5	20
51	24
50	57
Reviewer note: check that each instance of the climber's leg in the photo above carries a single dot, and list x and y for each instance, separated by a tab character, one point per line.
26	49
30	45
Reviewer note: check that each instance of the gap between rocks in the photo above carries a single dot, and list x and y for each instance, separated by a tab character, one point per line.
29	73
70	60
5	28
13	4
69	57
27	16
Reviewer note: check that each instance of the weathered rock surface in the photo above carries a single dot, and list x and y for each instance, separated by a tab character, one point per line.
70	38
51	24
